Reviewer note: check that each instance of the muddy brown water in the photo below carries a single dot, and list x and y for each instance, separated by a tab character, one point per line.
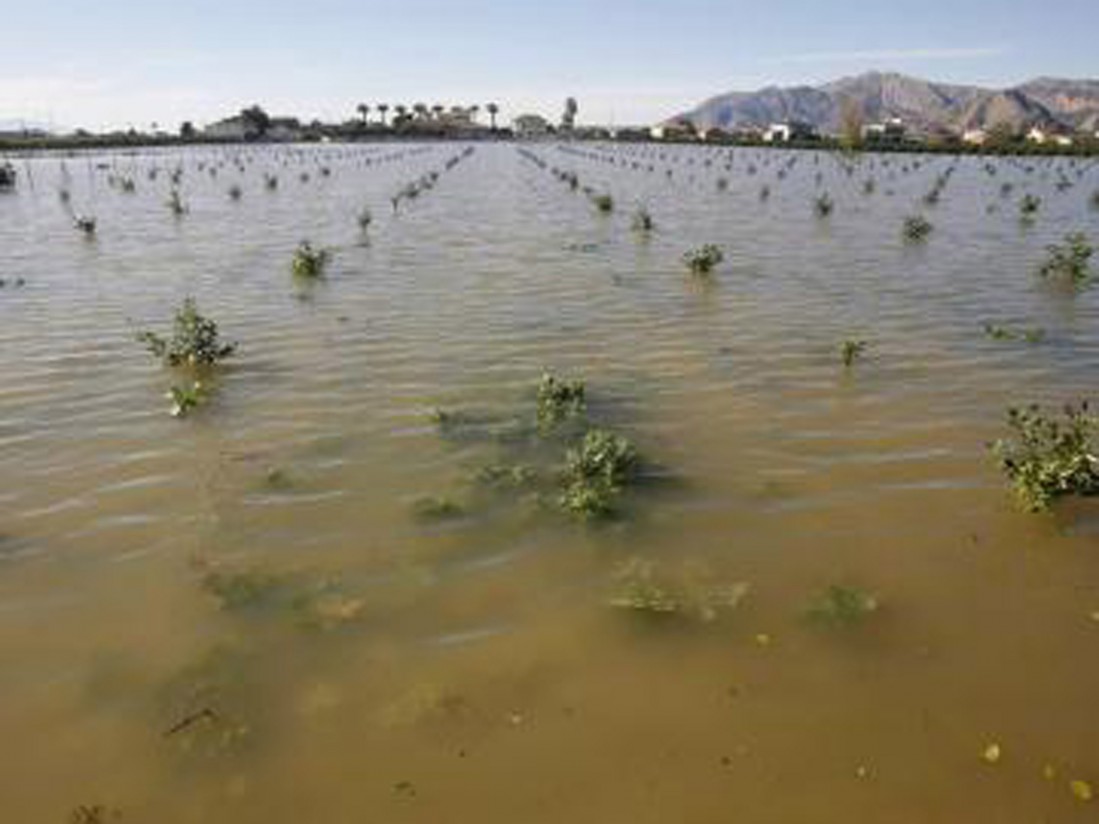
471	669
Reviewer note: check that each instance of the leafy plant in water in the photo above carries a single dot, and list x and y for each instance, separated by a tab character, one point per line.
85	224
824	205
235	192
1048	458
195	340
559	400
916	228
186	398
1069	260
703	260
308	262
851	350
596	472
840	606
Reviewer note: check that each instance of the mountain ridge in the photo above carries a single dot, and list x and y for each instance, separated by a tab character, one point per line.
924	105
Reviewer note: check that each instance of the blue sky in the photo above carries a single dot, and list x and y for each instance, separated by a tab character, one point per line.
121	62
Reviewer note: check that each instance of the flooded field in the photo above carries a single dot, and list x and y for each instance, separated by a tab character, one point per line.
356	582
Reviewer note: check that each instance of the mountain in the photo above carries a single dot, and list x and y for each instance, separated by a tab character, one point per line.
923	105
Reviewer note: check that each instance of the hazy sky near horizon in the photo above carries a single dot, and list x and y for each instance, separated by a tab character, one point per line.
121	62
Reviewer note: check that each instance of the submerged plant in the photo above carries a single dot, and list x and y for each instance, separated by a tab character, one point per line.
430	508
996	332
1029	205
194	342
235	192
1069	260
506	476
703	260
916	228
641	586
643	221
604	203
308	262
365	218
851	350
1048	459
596	472
824	205
186	398
176	204
559	400
85	224
840	606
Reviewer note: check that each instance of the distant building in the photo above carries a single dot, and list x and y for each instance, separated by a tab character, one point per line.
888	131
715	134
530	126
1043	135
674	130
974	137
231	128
789	132
284	129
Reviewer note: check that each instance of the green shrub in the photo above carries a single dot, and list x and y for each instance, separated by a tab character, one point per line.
596	472
703	260
1048	458
851	350
1069	261
308	262
195	340
559	400
916	228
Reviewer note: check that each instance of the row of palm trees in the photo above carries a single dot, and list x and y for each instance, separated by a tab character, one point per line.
421	111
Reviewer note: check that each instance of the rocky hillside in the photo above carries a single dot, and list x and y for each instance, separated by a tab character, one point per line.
922	104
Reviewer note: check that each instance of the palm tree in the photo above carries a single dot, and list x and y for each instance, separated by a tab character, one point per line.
438	110
363	111
420	109
382	108
401	110
492	110
473	110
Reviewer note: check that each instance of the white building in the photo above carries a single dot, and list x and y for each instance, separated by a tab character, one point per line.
530	125
975	137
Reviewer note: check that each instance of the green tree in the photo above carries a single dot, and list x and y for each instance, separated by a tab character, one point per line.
256	121
492	110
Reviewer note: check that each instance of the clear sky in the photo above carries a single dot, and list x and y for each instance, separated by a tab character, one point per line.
98	63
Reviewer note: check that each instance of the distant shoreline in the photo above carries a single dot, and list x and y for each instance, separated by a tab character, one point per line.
35	144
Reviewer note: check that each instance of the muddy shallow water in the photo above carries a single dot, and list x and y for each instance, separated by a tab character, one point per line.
383	667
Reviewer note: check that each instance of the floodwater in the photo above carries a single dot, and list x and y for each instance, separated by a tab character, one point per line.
366	664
